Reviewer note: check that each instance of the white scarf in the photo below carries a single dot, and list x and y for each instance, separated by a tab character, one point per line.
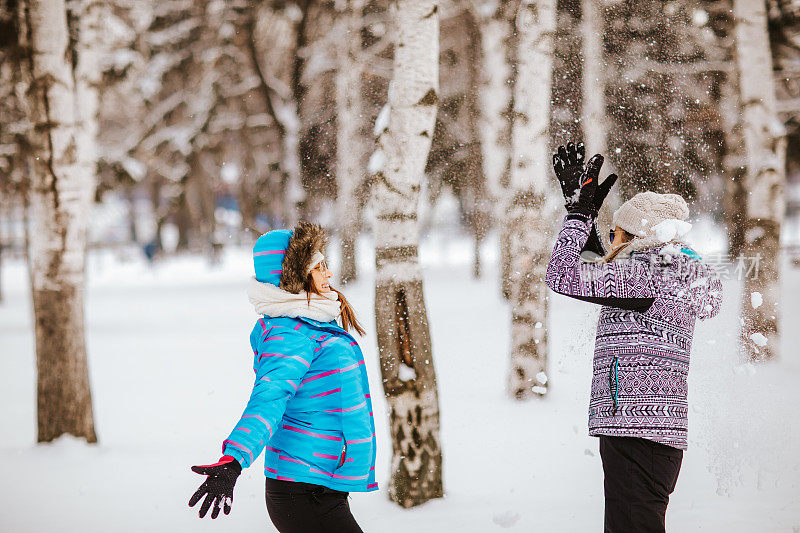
267	299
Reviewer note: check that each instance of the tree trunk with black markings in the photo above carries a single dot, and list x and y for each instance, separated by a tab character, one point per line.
531	205
350	151
62	103
765	147
402	328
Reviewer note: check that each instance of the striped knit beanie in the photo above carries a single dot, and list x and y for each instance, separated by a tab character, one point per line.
268	254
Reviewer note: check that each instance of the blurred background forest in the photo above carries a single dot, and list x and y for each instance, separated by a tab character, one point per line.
218	120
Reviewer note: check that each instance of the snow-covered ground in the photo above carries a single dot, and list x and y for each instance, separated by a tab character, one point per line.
170	373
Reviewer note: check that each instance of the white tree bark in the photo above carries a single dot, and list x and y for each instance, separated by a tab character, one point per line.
594	106
505	13
349	138
495	95
295	193
401	318
532	205
765	147
62	185
595	120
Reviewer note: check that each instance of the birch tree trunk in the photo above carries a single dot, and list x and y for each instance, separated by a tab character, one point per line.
734	164
404	342
765	147
349	149
531	206
496	102
62	186
595	120
508	12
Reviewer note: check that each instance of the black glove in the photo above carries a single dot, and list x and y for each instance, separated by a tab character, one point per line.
592	194
218	486
568	165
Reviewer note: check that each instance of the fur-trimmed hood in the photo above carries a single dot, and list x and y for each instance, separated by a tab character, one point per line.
306	239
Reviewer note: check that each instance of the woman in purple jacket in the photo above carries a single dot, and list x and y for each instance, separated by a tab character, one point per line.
652	288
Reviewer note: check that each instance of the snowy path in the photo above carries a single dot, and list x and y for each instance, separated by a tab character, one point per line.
169	363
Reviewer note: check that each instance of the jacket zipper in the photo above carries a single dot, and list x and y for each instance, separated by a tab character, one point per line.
344	452
613	380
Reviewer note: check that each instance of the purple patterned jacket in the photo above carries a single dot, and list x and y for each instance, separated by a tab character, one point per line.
644	335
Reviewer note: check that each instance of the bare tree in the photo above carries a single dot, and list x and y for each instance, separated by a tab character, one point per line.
58	77
496	30
595	122
531	206
350	148
456	160
765	146
594	117
403	335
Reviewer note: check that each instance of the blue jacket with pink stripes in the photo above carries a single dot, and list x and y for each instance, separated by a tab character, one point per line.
310	409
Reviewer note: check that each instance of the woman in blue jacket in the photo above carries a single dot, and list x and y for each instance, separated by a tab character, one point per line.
310	409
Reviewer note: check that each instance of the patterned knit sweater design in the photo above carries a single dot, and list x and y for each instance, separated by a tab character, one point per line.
641	358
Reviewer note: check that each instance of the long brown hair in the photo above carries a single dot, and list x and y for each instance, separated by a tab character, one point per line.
348	315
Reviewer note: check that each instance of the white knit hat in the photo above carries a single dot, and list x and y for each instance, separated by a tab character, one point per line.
639	215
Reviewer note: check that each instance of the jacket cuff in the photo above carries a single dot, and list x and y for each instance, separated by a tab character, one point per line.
578	221
232	452
579	216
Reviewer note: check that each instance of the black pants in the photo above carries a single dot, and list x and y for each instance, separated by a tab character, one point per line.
639	477
308	508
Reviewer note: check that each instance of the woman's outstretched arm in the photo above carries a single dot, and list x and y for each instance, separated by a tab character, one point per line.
282	358
624	284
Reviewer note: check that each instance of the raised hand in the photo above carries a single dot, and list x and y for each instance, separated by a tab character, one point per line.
218	486
592	194
568	166
602	191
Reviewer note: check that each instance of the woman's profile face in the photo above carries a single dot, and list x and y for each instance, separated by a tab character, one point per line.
620	237
320	275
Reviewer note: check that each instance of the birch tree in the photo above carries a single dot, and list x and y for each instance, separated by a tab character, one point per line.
495	99
531	206
594	111
765	148
62	187
404	342
349	138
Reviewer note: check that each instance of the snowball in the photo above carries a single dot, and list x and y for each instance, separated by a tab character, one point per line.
382	122
756	300
754	233
670	250
229	173
537	325
539	390
670	229
541	377
759	339
699	17
376	162
406	373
